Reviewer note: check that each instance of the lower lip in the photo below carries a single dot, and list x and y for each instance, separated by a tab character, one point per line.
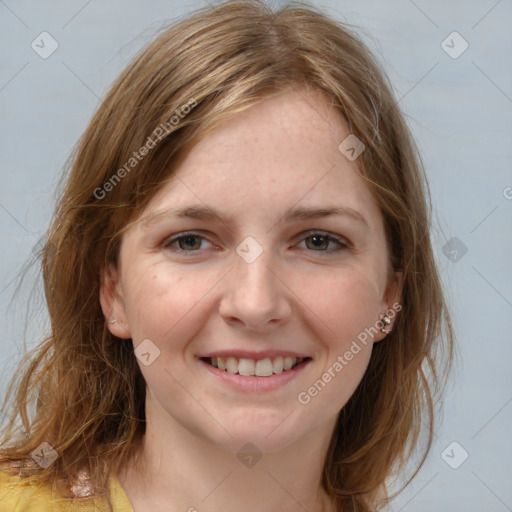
255	384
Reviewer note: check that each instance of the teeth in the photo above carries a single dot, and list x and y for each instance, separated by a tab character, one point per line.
261	368
288	362
277	365
246	367
232	365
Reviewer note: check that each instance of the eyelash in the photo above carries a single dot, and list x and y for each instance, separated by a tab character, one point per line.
343	245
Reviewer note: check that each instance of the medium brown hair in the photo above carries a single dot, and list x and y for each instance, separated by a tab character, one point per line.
88	388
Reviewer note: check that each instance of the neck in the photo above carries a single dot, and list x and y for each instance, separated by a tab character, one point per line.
179	470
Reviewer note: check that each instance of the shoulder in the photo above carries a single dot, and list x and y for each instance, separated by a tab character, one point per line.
23	494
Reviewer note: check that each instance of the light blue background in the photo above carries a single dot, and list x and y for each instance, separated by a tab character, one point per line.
460	111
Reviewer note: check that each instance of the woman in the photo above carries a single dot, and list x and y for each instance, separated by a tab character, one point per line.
244	301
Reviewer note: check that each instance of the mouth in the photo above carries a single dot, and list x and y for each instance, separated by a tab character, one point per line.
264	367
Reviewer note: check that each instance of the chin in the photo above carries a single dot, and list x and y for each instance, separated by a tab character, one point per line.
267	431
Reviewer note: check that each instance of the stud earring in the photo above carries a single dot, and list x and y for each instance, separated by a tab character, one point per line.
112	321
387	321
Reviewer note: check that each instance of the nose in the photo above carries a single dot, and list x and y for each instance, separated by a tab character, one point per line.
255	296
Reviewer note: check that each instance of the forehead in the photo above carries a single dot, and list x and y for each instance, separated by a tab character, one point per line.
280	153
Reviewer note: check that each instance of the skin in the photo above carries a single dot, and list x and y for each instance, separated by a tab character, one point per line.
279	154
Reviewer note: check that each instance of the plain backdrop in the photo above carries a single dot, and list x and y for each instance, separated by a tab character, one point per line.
458	102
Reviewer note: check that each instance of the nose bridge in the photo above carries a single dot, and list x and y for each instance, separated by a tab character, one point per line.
254	275
255	296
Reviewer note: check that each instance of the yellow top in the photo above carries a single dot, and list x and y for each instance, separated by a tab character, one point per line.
18	494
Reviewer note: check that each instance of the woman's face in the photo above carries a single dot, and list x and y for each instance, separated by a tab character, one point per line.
237	258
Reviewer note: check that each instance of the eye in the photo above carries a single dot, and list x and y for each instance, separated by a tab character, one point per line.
319	242
187	242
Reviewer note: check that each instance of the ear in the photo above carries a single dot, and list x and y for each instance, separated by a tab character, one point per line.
390	305
112	304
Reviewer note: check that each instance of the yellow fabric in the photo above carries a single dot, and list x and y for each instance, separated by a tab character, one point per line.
18	494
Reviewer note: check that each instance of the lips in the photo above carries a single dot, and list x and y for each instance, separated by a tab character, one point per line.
256	355
262	375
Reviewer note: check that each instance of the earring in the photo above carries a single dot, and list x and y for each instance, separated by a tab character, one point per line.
387	321
112	321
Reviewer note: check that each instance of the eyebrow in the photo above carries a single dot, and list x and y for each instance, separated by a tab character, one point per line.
201	212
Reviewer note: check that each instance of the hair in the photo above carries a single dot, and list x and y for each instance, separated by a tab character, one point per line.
87	387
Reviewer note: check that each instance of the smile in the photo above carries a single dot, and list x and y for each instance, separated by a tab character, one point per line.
261	373
255	367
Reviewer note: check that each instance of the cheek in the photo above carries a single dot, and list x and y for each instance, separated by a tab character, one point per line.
347	307
347	302
160	299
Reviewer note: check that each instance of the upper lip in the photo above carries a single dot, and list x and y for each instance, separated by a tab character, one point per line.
248	354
